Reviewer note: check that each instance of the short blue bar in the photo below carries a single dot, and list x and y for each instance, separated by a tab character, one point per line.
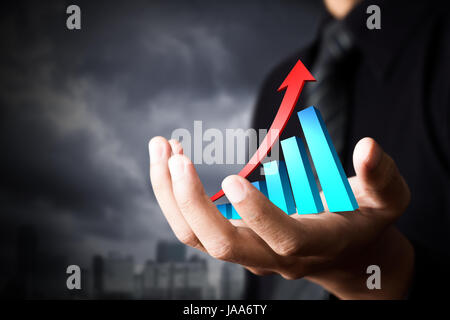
234	214
261	186
304	187
335	186
278	187
225	210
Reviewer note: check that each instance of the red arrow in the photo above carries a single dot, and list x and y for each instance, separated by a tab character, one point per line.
293	83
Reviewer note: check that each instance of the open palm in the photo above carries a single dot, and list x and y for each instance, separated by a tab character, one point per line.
322	247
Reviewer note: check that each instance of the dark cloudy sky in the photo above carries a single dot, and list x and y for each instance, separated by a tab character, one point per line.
78	108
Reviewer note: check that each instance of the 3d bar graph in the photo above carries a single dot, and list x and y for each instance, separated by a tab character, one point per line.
234	214
229	212
304	188
225	209
291	185
335	186
261	186
278	187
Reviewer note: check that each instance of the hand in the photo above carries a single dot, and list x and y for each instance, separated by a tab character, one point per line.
332	249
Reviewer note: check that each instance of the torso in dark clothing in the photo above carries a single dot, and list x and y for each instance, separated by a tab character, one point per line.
401	99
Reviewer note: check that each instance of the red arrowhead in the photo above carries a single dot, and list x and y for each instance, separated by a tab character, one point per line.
298	74
293	83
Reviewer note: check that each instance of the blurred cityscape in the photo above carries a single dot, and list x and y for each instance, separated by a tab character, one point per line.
171	275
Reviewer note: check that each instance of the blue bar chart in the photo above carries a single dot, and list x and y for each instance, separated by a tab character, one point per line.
291	185
304	188
335	186
229	212
278	188
225	209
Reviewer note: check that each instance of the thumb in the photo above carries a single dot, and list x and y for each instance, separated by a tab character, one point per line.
378	178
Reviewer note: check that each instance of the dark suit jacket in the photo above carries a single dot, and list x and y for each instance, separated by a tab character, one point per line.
401	98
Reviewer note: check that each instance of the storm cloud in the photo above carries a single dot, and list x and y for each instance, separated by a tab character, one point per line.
78	107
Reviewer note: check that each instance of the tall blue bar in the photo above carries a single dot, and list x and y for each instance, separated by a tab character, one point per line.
335	186
278	188
304	187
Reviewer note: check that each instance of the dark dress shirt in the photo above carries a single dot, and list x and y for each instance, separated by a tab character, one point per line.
401	98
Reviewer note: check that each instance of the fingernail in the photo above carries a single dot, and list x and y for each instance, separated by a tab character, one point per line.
156	150
177	166
233	188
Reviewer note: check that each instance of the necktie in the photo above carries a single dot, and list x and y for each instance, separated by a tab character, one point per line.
331	91
331	95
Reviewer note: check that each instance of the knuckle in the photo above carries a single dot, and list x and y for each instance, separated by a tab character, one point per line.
189	239
287	276
222	250
185	203
287	249
292	275
259	272
190	199
256	219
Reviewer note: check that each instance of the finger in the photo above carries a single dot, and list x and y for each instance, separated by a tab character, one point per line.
176	146
160	150
379	178
220	238
305	236
377	186
382	196
282	233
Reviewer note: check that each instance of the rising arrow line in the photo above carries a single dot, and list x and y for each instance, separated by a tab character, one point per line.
293	83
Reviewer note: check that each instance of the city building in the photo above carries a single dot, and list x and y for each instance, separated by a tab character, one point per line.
232	281
118	277
170	276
